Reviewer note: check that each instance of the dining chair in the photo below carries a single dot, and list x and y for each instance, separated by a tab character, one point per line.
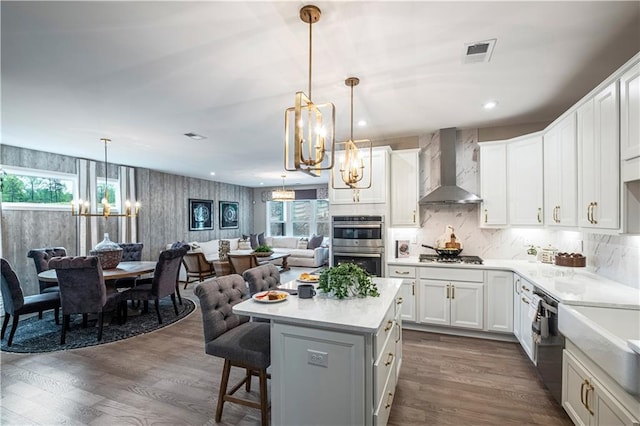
16	303
164	282
41	257
131	252
198	267
261	278
83	291
232	337
241	262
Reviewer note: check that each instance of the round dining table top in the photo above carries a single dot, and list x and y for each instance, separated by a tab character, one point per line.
123	270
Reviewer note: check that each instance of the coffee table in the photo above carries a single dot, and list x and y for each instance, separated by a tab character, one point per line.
276	256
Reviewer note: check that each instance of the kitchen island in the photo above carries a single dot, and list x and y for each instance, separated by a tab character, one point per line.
333	362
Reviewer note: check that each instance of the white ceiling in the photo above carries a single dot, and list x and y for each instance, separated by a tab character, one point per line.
145	73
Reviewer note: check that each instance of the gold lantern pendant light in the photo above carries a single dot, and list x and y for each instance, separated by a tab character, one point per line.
352	166
283	194
309	136
80	208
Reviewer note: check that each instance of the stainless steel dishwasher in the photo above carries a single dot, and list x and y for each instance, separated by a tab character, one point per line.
549	344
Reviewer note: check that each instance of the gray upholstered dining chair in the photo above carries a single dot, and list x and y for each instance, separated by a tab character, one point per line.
131	252
164	282
261	278
82	291
16	304
41	257
230	336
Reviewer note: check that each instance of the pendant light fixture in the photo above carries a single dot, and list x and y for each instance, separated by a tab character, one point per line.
352	166
80	208
309	127
283	194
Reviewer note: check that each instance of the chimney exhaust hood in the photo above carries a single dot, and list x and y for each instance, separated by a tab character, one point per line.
448	192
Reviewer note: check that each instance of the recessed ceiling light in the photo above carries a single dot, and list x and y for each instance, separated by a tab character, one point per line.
490	104
212	173
362	123
195	136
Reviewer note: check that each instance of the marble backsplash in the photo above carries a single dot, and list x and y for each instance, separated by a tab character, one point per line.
612	256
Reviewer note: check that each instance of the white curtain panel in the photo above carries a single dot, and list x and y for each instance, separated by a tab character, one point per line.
128	225
87	190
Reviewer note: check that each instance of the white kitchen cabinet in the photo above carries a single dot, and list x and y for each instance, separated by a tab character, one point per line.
407	290
630	113
405	191
499	312
523	289
599	160
443	300
587	400
524	185
377	193
493	184
561	173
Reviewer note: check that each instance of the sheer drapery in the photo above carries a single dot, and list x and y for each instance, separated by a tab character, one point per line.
127	225
87	191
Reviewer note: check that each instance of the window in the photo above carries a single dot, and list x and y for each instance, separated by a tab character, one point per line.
113	192
37	189
300	218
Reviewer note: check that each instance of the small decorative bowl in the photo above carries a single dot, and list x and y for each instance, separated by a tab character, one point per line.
109	259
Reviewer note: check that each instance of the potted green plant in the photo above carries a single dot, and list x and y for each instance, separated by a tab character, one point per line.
263	251
347	280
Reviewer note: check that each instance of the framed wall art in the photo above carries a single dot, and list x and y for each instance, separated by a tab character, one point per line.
200	215
229	214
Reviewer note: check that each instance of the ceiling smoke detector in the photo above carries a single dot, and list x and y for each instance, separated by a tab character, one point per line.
479	51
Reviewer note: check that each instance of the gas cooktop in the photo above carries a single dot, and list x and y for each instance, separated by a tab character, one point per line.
473	260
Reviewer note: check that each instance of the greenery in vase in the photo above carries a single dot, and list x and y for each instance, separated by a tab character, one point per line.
341	279
263	249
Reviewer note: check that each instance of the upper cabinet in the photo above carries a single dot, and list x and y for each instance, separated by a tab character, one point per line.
404	188
524	187
599	160
560	173
377	193
630	113
493	184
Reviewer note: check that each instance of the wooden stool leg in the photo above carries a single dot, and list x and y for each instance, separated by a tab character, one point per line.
247	382
264	399
223	388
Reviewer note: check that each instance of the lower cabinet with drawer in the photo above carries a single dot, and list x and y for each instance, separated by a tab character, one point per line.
451	297
407	291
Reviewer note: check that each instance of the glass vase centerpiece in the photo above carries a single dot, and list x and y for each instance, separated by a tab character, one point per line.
347	281
108	253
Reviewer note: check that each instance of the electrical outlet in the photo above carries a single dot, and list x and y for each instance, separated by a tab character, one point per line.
317	358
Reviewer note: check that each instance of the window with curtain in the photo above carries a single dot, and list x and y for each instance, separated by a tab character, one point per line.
113	191
300	218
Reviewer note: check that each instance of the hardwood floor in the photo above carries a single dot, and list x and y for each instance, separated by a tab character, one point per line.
165	377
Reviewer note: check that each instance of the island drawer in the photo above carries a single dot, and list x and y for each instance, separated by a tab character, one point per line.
452	274
381	415
383	366
402	271
385	330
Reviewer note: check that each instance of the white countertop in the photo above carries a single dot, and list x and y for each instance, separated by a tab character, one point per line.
363	315
572	286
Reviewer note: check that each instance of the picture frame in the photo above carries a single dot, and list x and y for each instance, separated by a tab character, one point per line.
402	248
229	212
200	215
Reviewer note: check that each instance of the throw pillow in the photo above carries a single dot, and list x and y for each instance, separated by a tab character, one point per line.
253	238
315	241
244	245
261	240
180	244
302	243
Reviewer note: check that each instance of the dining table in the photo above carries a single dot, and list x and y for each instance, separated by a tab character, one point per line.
123	270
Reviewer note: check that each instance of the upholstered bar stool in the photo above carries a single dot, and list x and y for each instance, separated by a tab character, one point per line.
261	278
230	336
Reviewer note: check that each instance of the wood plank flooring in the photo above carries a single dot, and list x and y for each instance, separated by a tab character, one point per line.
165	377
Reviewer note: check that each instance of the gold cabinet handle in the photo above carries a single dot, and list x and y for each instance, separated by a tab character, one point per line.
389	325
389	360
554	214
525	289
389	398
590	213
448	291
517	285
453	291
486	215
413	288
539	215
582	385
586	398
399	336
414	216
593	216
401	272
525	300
399	301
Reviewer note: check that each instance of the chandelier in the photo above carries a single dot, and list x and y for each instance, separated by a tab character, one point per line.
83	208
283	194
352	167
309	135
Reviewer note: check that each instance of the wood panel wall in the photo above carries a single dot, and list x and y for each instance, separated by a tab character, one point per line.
164	217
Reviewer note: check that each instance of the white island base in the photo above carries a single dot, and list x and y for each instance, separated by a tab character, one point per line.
333	362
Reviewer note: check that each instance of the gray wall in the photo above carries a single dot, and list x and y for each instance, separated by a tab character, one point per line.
163	219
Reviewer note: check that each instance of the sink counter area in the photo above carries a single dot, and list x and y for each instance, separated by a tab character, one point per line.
571	286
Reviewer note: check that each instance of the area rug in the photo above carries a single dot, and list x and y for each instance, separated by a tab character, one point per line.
34	335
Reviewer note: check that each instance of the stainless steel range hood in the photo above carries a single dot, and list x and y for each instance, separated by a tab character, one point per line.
448	192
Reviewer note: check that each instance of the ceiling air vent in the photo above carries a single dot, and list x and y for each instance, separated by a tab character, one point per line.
195	136
479	51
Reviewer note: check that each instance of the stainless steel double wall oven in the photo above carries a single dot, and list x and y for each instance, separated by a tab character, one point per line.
359	240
